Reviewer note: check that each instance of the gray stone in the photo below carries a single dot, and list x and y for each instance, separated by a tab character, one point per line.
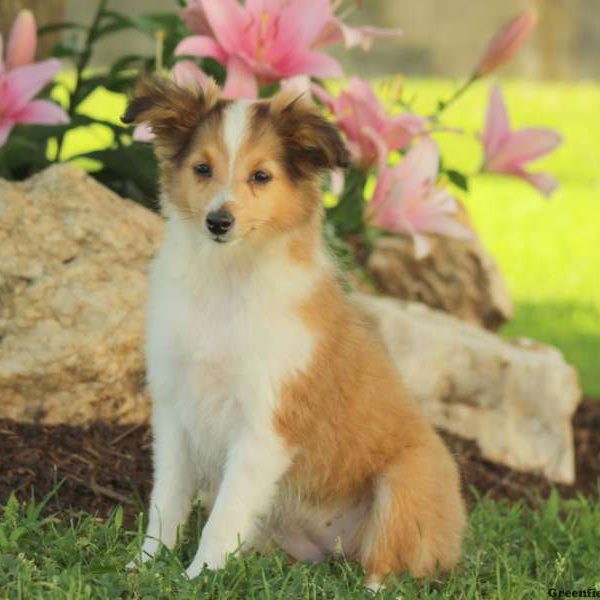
515	398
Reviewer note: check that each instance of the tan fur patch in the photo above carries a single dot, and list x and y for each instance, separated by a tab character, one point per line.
357	432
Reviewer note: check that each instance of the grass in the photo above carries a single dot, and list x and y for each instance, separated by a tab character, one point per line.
548	251
512	552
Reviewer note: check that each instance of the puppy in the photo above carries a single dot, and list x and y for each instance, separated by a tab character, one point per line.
272	397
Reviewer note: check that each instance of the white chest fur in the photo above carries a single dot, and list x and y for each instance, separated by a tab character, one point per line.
223	333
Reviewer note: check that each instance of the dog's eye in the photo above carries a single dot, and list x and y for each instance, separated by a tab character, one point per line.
260	177
203	169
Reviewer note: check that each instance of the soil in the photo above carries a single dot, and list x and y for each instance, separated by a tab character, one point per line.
105	465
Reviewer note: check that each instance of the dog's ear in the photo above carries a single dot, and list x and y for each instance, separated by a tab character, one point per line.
172	111
312	144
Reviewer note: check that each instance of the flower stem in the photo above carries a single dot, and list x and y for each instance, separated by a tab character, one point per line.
444	104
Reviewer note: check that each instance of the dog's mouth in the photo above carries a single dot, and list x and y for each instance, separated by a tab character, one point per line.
219	239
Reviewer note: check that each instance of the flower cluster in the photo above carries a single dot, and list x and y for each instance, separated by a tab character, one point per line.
253	46
265	41
21	79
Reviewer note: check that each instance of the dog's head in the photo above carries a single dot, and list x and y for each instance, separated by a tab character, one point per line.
239	170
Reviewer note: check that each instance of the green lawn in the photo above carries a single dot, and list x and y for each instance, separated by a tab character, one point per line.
512	553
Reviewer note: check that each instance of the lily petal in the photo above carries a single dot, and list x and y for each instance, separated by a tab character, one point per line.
229	22
446	225
22	41
301	21
6	126
241	82
524	146
41	112
318	64
23	83
201	45
195	18
381	148
323	95
143	133
402	129
419	167
497	126
187	73
335	32
544	182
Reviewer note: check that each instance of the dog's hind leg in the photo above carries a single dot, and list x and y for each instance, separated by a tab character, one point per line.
417	518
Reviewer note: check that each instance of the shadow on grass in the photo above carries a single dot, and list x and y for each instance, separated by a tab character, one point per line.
573	327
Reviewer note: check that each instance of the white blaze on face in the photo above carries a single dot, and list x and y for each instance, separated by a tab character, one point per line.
234	130
235	120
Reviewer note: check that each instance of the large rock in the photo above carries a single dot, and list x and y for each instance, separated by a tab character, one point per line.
458	276
73	260
515	398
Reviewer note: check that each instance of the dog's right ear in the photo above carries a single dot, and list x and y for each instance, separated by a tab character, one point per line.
172	111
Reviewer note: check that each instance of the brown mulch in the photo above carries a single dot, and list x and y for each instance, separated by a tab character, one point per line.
106	465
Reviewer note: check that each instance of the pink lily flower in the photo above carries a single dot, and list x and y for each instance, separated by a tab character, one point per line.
508	151
507	43
267	40
184	73
406	199
19	85
370	132
22	41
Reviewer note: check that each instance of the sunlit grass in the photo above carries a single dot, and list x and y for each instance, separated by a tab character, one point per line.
511	552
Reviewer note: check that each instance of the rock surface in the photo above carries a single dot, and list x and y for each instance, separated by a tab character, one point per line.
516	398
458	277
73	260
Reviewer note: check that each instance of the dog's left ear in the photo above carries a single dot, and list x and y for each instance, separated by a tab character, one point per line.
312	144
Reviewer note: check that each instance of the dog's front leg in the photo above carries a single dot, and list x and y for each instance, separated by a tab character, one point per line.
255	464
175	482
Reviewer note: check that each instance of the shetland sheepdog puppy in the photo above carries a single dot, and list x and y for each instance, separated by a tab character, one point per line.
274	400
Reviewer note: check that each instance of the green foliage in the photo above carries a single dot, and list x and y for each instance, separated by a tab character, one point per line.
511	551
347	215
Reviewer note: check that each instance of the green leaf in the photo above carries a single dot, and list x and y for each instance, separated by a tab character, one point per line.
154	22
54	27
347	215
125	62
130	171
459	179
21	157
61	50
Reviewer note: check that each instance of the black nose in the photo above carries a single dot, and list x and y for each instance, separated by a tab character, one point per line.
219	221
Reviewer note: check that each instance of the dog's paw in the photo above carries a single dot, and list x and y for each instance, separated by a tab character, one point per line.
146	553
138	561
212	558
133	565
